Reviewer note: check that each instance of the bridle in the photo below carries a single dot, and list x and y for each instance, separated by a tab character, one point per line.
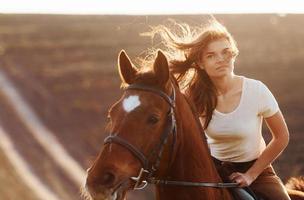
147	172
148	169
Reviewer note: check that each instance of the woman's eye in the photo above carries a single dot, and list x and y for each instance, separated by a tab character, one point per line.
153	119
228	52
210	56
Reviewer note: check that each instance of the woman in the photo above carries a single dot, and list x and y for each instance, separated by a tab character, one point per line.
231	107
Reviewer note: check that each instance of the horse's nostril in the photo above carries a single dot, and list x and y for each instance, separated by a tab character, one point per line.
107	179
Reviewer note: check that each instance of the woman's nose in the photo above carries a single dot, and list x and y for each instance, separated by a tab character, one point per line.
220	58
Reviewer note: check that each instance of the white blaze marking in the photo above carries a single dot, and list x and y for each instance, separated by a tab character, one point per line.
130	103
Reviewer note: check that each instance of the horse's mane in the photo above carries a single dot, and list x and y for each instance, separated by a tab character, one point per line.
143	77
193	109
296	183
146	76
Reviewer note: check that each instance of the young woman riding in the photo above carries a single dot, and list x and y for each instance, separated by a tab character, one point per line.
232	107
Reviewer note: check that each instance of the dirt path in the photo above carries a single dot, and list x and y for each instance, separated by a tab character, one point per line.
41	132
39	151
24	170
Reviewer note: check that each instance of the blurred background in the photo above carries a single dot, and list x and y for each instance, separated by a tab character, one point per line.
58	78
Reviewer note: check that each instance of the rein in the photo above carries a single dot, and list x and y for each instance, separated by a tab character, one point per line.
146	174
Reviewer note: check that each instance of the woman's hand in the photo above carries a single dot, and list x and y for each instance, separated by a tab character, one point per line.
243	179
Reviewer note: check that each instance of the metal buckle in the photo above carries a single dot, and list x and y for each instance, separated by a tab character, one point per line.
140	183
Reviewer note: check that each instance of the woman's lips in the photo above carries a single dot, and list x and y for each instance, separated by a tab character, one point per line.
222	67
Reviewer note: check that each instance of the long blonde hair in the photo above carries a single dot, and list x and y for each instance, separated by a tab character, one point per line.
183	45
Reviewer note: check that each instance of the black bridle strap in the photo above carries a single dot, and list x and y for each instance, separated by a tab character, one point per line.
192	184
116	139
154	90
163	140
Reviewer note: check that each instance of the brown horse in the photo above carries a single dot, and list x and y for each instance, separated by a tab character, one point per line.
154	136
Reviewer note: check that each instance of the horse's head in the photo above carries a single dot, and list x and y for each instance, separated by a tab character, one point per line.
139	125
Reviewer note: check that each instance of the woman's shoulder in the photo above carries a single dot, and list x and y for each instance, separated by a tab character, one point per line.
252	82
253	85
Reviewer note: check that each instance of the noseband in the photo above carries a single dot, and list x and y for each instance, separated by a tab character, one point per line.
147	172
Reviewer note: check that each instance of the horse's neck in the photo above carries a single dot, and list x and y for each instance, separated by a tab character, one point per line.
192	162
194	153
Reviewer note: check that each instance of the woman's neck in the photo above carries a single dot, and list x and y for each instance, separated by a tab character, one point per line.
225	84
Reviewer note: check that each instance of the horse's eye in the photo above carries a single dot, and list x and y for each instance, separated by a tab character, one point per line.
153	119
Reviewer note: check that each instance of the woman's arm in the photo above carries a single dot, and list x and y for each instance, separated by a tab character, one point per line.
280	138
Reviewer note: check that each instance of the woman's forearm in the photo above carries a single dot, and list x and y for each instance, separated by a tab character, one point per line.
271	152
280	139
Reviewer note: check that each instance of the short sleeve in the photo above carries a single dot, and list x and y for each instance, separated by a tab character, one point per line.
268	105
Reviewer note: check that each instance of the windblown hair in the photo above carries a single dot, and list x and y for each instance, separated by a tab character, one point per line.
184	46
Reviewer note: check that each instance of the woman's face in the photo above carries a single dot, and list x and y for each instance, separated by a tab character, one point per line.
217	59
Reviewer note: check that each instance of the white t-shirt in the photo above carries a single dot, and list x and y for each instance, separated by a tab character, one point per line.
237	136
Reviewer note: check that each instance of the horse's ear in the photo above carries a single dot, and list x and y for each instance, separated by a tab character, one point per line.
126	70
161	67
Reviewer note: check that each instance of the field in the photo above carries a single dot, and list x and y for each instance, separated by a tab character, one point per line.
65	67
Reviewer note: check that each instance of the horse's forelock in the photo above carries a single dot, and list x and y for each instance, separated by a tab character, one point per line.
147	78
